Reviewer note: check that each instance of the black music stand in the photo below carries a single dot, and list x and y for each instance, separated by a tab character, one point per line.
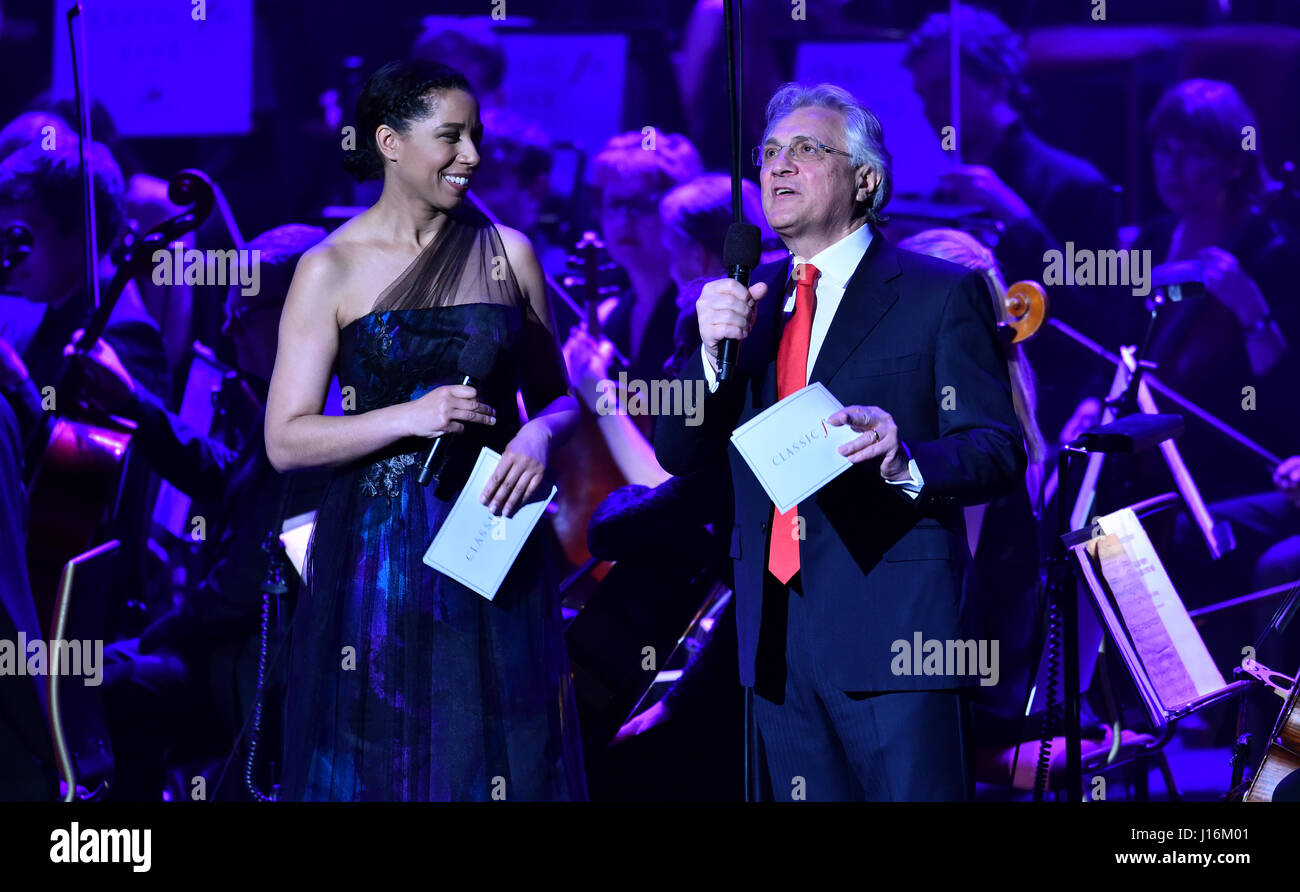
1133	433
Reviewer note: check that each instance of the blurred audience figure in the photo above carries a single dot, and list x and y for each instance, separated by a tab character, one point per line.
631	175
696	216
35	128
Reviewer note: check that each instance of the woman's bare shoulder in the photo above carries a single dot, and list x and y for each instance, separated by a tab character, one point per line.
332	272
523	260
339	250
518	247
320	285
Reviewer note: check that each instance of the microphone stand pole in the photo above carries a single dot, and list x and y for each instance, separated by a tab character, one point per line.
1061	592
731	15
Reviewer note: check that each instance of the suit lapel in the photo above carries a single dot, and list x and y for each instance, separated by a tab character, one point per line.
870	293
766	336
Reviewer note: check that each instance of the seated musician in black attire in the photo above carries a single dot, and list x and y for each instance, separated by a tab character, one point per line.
42	190
33	128
27	769
692	227
197	664
1266	526
631	175
1237	353
664	535
685	746
1042	195
1234	353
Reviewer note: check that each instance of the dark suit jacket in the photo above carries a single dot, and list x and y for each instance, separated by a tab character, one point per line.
876	565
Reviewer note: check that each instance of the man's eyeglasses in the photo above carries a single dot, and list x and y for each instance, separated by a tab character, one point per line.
801	149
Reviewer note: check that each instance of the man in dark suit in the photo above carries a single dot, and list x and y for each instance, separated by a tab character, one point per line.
828	593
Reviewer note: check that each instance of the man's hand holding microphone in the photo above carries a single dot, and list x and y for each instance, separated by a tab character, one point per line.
725	310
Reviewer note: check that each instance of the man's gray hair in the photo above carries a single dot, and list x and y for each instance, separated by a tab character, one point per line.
862	130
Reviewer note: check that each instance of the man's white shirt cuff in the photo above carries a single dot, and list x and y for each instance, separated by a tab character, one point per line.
911	486
710	376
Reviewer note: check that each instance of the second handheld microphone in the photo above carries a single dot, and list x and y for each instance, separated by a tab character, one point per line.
475	364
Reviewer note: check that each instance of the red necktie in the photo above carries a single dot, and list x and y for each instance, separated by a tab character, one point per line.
792	375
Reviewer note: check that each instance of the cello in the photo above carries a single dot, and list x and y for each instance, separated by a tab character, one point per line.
1283	755
80	454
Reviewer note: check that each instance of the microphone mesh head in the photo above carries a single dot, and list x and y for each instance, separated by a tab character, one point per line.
744	246
478	357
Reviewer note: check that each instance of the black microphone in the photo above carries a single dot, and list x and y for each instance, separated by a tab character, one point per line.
740	254
475	364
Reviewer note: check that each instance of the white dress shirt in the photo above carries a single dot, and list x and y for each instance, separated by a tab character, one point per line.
835	266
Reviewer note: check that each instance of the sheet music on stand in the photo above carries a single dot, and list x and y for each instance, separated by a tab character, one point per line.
1147	620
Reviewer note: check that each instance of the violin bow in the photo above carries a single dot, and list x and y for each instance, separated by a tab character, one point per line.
77	29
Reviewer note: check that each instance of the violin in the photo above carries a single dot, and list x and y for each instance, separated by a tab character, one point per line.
1026	308
587	472
1283	755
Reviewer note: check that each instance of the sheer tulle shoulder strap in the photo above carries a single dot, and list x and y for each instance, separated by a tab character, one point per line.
464	263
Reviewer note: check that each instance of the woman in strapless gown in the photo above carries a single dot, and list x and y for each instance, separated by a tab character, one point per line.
403	683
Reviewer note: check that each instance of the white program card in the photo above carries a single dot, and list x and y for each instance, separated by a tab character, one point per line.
791	449
475	547
296	537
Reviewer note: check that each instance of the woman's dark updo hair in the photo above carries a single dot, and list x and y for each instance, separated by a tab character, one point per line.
397	94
